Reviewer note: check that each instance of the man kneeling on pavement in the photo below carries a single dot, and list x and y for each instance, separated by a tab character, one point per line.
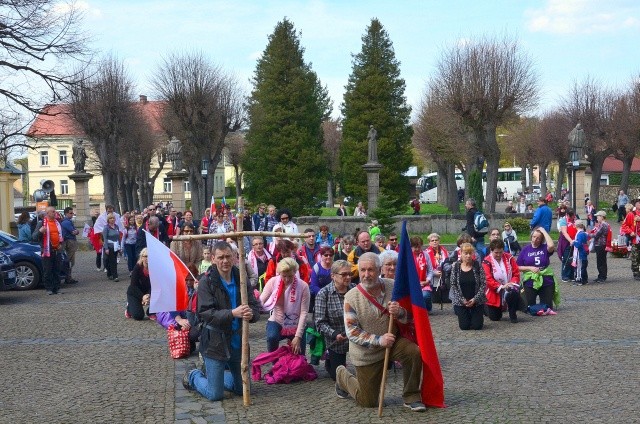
221	311
367	310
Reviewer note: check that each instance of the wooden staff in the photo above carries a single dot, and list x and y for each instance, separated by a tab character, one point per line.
236	234
244	363
383	383
244	299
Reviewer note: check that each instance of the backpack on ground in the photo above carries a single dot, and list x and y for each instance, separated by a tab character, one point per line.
480	223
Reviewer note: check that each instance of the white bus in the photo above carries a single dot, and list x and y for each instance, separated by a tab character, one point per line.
509	180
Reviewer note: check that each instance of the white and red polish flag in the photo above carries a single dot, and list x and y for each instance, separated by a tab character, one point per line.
167	274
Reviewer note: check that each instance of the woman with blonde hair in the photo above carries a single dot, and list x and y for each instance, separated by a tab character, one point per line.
139	291
467	292
111	236
287	299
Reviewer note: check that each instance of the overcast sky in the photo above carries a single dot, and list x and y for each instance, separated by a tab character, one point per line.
567	39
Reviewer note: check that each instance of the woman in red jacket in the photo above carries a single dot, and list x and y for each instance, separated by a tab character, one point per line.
503	282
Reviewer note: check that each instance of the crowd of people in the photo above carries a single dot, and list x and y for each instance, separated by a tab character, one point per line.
340	285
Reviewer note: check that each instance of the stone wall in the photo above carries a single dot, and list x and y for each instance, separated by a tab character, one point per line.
422	224
609	193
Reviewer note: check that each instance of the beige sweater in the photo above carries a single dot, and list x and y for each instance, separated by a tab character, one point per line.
364	324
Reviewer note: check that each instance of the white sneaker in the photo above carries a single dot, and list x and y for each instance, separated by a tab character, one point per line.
98	269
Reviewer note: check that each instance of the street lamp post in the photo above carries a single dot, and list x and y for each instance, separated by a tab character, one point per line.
205	173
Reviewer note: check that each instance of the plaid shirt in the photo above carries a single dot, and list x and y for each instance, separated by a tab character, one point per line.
329	316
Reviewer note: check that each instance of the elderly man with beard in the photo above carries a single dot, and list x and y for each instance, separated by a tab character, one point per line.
367	310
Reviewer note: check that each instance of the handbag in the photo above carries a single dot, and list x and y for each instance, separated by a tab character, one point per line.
179	344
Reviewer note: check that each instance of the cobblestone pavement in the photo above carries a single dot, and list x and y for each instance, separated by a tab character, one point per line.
74	358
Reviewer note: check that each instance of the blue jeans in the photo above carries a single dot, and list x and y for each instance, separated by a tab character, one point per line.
274	336
479	245
130	253
567	271
218	378
426	295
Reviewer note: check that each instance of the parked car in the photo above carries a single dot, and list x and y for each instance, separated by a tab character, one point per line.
7	273
28	262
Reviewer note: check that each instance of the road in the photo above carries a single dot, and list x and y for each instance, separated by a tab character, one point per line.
74	358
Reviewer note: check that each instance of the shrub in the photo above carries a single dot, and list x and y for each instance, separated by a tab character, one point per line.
520	225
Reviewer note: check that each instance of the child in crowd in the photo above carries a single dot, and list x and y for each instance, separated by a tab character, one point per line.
580	253
206	260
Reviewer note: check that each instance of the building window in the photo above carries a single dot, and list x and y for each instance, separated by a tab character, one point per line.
63	157
44	158
187	186
64	186
167	185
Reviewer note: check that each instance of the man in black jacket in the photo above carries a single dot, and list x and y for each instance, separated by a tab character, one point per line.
221	312
476	238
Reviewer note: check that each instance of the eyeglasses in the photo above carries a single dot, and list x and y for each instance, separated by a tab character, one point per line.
344	274
393	239
284	218
328	255
144	256
434	240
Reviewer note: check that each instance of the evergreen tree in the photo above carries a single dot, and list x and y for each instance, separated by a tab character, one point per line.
375	96
284	161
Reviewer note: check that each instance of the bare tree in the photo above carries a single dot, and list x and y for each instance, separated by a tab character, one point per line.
236	146
207	104
626	130
103	106
39	40
487	83
593	106
553	143
331	142
437	134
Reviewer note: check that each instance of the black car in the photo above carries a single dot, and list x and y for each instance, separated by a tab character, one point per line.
28	262
7	273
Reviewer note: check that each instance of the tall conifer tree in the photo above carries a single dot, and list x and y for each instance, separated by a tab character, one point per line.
284	162
375	96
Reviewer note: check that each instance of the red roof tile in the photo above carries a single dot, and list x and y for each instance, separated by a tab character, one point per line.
58	120
612	164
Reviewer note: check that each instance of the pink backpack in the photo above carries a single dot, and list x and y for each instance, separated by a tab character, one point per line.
287	367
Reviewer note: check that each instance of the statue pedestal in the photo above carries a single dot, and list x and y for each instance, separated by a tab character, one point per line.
7	178
81	197
578	178
177	189
373	184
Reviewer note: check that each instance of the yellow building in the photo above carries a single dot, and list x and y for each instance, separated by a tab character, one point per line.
53	137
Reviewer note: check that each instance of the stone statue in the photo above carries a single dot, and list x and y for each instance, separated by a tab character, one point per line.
373	144
174	154
577	141
79	156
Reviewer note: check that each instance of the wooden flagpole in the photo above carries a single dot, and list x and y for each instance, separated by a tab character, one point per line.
383	383
244	364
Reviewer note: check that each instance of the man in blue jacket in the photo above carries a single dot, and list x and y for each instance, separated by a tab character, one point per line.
542	217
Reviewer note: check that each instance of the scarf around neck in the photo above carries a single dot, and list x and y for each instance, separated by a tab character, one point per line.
292	304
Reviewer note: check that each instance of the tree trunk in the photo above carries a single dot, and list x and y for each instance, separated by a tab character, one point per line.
626	170
451	201
122	198
491	150
596	172
560	180
110	179
330	199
